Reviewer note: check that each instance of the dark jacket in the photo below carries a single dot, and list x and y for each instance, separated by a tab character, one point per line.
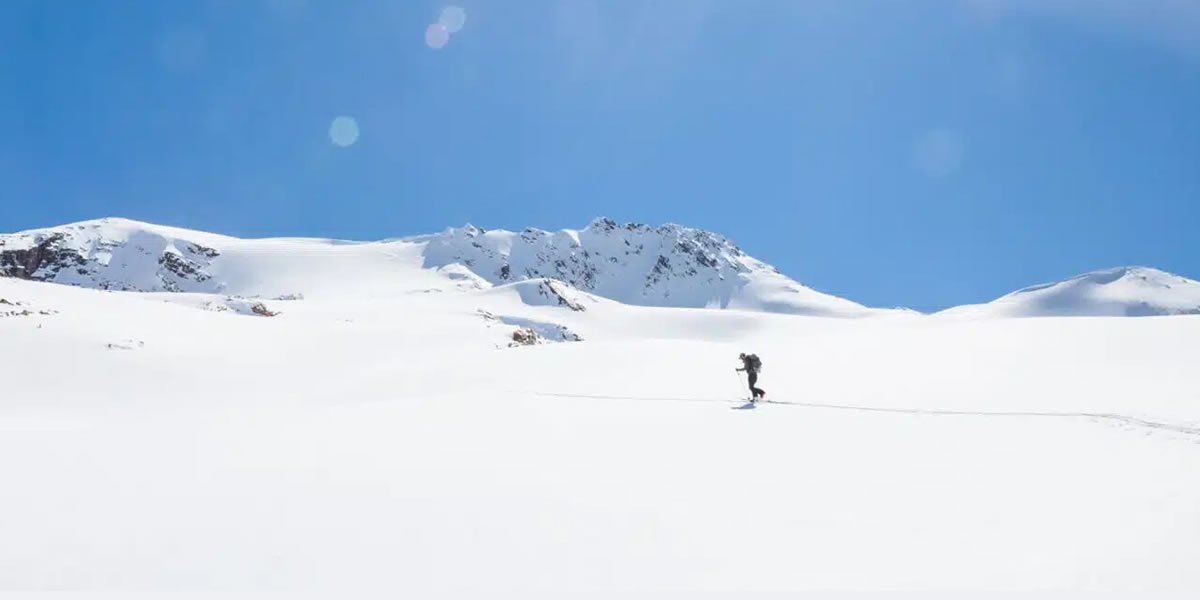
748	365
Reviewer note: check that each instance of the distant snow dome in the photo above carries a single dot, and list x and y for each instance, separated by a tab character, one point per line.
343	131
453	18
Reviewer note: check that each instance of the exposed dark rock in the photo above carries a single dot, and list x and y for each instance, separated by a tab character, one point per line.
182	267
603	224
261	310
548	289
40	262
203	250
525	337
78	256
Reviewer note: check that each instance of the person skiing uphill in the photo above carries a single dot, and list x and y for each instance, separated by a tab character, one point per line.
752	365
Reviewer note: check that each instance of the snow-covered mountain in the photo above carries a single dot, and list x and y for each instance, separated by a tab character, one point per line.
636	264
665	266
669	266
112	254
1123	291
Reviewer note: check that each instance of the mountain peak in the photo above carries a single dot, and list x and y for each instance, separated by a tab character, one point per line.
635	263
602	224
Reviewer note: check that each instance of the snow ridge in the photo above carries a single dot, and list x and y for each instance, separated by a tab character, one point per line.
669	265
111	254
665	266
1121	291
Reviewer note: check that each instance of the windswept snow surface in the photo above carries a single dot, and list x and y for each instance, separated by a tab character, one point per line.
1119	292
334	416
389	441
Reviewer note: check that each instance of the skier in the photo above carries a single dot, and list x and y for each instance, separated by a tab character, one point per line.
752	365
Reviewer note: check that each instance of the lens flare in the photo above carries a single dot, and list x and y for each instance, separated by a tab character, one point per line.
453	18
437	36
343	131
938	152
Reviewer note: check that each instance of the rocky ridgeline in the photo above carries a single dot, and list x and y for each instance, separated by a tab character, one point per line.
633	263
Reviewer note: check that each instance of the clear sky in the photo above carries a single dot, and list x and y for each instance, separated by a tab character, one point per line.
923	153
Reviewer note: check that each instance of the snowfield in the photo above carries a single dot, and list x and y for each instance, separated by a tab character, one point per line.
1120	292
385	432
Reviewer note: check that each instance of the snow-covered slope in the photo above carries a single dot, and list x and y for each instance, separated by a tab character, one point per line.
1124	291
119	254
665	266
391	443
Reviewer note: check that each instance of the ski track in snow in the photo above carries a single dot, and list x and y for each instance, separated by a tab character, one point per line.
1125	419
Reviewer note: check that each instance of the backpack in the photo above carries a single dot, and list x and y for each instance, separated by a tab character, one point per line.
755	363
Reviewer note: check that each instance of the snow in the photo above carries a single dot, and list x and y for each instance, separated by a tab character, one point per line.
636	264
665	266
380	436
1123	291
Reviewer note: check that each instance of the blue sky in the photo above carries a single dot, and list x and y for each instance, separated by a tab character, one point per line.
897	153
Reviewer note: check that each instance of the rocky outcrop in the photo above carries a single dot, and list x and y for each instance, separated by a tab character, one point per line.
176	267
633	263
668	265
109	254
552	290
535	333
241	306
42	260
525	337
261	310
20	309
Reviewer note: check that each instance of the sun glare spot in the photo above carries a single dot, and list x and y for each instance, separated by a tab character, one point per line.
343	131
436	36
453	18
